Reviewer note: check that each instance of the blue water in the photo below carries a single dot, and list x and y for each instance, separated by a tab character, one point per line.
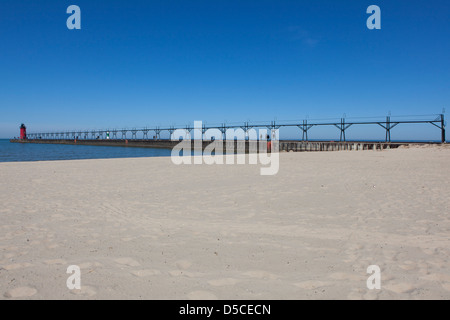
11	152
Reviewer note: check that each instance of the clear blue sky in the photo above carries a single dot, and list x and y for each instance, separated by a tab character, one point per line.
138	63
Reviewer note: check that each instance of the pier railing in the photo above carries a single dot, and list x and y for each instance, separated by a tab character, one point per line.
343	124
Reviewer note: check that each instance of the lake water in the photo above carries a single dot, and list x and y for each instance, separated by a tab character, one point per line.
11	152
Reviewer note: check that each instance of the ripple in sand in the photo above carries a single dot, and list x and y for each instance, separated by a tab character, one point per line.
55	261
17	266
261	274
311	284
440	277
86	265
145	273
21	292
347	276
183	273
127	261
183	264
127	239
201	295
408	265
223	282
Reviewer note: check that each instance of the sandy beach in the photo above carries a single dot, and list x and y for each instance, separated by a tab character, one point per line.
145	228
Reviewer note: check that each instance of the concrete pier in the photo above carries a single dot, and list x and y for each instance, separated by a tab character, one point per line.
237	145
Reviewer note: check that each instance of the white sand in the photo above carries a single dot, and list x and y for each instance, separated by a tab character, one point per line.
145	228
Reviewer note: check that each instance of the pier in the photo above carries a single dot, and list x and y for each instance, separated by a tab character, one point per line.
238	145
251	143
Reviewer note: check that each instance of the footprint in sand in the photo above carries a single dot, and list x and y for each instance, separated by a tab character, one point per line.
400	287
183	264
201	295
223	282
145	273
128	262
85	291
20	292
446	286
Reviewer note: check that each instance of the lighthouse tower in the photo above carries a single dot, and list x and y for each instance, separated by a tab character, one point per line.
23	132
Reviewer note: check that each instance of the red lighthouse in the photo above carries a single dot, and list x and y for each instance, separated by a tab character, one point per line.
23	132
